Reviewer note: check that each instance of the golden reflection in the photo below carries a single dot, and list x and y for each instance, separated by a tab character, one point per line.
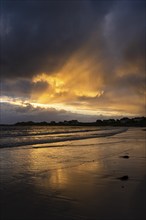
56	168
49	171
59	178
90	166
53	178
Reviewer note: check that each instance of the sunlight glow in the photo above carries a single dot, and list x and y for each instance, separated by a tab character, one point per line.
62	107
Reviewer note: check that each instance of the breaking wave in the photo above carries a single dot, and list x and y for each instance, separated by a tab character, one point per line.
12	137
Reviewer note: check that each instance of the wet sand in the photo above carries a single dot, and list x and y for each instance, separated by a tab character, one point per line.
101	178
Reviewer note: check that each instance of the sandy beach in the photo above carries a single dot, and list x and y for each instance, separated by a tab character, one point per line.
98	178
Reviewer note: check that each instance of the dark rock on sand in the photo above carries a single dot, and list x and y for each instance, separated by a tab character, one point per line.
125	157
123	178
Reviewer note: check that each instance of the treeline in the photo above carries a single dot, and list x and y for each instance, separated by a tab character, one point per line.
131	122
139	121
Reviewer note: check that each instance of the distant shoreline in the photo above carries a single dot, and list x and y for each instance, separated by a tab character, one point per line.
133	122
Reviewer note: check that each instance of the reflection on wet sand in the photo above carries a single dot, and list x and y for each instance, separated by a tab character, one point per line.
75	182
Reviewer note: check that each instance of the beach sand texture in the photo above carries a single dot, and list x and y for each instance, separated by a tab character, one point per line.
98	178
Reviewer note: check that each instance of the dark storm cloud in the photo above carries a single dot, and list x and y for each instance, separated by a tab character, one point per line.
124	32
38	36
94	45
22	88
19	88
12	113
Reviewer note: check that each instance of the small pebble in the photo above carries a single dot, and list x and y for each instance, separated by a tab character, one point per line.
123	178
125	157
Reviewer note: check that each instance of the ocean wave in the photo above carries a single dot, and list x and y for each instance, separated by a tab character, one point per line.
47	133
37	142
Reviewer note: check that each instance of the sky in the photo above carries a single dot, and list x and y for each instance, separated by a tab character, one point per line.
77	59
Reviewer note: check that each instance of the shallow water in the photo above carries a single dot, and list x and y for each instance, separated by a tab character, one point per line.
13	136
75	179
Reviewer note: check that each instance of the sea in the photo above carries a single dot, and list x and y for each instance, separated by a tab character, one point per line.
38	136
